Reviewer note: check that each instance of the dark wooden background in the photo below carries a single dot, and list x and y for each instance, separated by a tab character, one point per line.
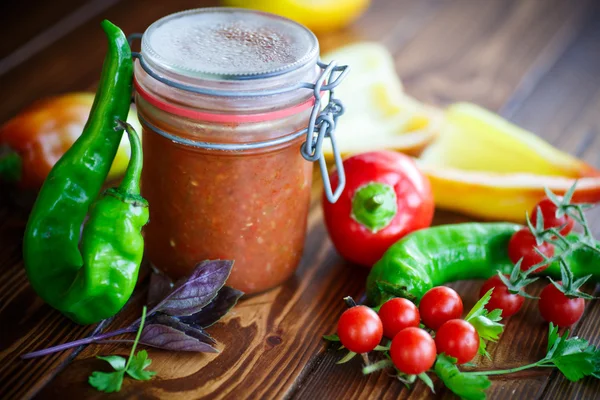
537	62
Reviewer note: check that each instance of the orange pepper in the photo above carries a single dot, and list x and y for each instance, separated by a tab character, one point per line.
34	140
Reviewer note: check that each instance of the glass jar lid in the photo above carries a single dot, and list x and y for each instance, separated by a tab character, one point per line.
228	44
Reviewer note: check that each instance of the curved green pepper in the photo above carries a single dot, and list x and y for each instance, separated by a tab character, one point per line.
94	283
448	253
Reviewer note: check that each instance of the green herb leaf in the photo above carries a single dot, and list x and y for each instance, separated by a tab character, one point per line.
381	348
331	338
138	365
596	362
574	357
485	322
117	362
135	367
553	336
479	307
468	387
426	380
106	381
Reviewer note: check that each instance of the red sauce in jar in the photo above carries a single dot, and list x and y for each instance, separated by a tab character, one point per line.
208	204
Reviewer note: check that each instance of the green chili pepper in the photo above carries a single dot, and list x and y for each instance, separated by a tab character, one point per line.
448	253
94	283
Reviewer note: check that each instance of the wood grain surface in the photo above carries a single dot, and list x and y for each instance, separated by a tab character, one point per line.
536	62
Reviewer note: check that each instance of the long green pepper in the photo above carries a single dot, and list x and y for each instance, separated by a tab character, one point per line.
447	253
95	282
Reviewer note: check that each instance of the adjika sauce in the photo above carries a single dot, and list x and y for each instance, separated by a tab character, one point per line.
223	171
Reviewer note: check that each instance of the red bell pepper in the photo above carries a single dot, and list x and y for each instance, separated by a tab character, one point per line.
385	198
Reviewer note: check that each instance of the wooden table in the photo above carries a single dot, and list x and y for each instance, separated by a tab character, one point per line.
536	62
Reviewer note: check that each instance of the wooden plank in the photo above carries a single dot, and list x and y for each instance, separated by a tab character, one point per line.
271	343
481	52
24	20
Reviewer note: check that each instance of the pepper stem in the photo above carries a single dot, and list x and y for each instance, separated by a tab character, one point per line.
10	167
374	205
131	181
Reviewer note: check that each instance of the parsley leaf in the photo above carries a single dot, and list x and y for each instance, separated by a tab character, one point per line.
596	362
117	362
107	381
485	322
464	385
135	367
574	357
138	365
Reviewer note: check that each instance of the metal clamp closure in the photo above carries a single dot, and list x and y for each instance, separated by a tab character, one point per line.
321	124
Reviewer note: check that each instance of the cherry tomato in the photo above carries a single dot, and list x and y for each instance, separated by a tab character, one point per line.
438	305
459	339
413	351
559	309
522	245
385	198
397	314
360	329
550	220
501	298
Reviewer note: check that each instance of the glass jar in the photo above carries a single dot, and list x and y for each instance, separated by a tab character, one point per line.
222	97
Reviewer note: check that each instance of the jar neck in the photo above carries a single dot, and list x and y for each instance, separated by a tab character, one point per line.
226	104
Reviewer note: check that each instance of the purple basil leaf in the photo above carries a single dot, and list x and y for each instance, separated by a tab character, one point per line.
160	286
215	310
190	295
173	322
195	347
166	332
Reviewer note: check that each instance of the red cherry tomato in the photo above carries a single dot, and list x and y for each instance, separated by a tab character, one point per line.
360	329
522	245
459	339
438	305
501	298
550	220
559	309
413	351
397	314
385	198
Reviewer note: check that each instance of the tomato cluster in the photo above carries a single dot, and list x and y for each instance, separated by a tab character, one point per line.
554	305
413	350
